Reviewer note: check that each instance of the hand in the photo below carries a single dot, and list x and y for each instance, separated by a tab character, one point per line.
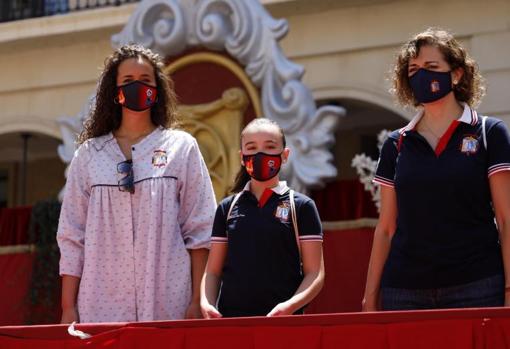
283	308
69	315
193	311
209	311
369	303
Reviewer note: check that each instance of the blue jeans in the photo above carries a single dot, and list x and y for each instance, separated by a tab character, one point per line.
489	292
52	7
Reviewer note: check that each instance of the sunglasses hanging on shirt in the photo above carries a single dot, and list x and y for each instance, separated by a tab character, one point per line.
127	183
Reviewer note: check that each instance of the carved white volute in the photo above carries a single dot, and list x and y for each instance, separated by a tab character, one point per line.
245	30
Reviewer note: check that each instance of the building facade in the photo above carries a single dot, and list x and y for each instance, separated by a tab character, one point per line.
51	65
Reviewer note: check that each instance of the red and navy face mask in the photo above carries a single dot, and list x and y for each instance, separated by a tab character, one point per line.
137	95
262	166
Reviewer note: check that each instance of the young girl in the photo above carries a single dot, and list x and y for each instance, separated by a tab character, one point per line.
258	244
137	210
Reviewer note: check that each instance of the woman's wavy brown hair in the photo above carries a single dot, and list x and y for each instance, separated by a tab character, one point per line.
470	89
106	116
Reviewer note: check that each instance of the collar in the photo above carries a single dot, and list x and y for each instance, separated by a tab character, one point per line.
469	116
280	189
101	141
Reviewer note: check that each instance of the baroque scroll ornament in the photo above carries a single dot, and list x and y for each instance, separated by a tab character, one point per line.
245	30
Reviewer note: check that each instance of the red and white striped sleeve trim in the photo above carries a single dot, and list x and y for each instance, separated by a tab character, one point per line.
384	181
219	240
498	168
310	238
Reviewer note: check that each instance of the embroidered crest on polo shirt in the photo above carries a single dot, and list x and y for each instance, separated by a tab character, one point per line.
469	145
159	158
282	212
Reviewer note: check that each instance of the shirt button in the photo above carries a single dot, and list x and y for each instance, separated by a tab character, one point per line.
133	148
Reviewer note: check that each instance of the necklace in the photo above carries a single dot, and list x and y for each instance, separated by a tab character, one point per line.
133	140
430	129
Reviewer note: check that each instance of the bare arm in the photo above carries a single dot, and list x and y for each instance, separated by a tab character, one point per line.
380	247
500	191
198	262
313	270
70	285
211	280
71	233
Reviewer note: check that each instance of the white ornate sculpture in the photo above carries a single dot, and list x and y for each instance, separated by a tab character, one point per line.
248	33
365	167
71	127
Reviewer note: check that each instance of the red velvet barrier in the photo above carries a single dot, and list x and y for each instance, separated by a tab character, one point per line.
14	224
467	328
346	256
15	274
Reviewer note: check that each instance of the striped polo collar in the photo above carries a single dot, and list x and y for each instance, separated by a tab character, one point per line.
280	189
469	116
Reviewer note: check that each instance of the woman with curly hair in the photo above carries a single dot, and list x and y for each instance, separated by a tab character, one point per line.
444	180
138	206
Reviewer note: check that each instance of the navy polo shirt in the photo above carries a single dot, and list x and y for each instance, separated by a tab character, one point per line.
262	266
446	233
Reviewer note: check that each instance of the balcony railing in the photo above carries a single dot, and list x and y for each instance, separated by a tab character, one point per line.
13	10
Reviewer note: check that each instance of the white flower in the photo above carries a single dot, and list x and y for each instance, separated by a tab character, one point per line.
366	166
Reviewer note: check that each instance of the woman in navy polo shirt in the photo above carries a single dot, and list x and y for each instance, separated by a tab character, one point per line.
257	248
445	177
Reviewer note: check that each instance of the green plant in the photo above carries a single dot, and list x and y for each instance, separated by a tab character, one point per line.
44	292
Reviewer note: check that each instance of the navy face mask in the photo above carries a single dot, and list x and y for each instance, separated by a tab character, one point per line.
137	95
429	86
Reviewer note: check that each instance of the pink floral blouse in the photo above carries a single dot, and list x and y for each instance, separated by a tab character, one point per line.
130	250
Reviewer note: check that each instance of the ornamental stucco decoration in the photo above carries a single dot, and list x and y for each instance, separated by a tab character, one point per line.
71	127
245	30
